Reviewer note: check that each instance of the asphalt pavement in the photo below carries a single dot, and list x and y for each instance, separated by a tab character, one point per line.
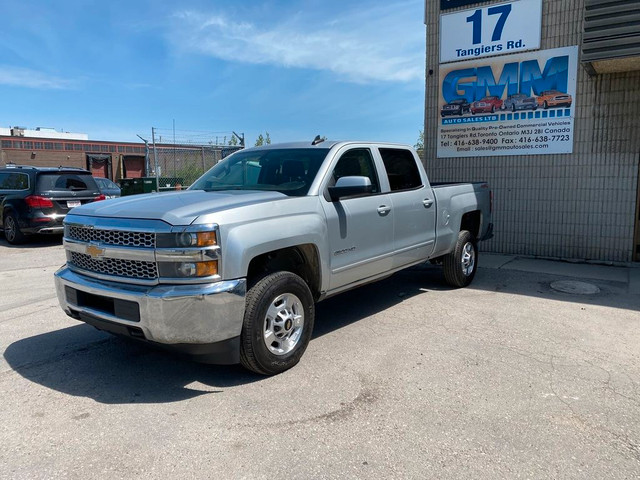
531	372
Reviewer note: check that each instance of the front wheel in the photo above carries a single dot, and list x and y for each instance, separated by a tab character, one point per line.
461	264
278	323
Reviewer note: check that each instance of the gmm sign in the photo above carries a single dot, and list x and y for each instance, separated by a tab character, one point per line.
525	77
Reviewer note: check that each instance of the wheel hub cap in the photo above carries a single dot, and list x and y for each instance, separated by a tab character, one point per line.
283	324
468	260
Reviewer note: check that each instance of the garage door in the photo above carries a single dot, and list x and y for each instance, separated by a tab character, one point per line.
133	166
99	165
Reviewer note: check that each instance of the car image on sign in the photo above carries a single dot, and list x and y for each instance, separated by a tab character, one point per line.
554	98
486	105
459	106
520	101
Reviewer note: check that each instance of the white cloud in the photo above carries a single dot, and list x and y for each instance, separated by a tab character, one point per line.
381	44
28	78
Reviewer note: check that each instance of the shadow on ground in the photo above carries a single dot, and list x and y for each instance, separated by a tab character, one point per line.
34	241
81	361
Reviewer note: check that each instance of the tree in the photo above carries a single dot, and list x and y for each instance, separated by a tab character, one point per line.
419	146
233	141
263	140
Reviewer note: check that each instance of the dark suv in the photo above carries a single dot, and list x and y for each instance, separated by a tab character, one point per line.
36	199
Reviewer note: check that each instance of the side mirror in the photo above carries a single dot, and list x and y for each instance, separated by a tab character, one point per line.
350	187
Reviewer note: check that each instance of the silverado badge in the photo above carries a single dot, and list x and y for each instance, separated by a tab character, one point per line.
94	251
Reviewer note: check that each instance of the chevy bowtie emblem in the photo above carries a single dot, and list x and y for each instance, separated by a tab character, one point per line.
94	251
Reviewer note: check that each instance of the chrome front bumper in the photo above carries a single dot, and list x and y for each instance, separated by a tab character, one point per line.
166	314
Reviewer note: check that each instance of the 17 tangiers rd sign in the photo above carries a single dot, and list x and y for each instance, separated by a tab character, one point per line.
511	105
492	30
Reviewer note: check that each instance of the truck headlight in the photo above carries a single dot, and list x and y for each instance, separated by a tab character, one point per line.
187	239
188	269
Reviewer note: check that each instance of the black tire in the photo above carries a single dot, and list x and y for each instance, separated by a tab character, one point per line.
545	105
461	264
11	229
255	354
513	107
493	109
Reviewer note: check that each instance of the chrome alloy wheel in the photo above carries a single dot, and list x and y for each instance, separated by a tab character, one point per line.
10	228
468	259
283	324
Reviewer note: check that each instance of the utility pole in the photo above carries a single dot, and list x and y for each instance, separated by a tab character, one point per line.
155	157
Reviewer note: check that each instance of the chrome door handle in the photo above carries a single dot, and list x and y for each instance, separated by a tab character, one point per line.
383	209
427	202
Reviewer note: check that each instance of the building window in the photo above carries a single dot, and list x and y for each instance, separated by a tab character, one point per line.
104	148
37	145
6	143
48	145
17	144
28	145
77	147
68	146
129	149
112	148
120	148
57	146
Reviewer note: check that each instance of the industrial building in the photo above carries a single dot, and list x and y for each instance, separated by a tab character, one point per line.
46	147
541	98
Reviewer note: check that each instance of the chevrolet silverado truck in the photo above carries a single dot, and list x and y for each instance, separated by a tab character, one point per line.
229	271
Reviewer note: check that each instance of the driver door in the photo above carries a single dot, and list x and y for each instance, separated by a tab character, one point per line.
360	229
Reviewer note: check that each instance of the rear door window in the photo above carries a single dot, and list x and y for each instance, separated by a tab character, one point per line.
14	181
66	182
401	168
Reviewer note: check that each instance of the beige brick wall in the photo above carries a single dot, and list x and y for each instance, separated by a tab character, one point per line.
580	205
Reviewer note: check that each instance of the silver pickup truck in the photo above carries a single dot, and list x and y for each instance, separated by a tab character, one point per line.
230	270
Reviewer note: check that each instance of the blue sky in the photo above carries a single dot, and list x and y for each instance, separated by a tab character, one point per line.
114	69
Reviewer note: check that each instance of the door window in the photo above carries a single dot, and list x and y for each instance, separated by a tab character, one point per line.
401	169
14	181
356	162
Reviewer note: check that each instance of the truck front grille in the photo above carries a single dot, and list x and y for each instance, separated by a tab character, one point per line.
115	266
112	237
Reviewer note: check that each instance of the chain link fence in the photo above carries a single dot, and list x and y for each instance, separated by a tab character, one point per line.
178	158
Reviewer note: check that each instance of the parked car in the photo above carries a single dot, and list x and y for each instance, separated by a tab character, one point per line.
36	200
107	187
459	106
230	270
520	101
486	105
554	98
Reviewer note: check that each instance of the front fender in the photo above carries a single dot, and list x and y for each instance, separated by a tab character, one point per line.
245	242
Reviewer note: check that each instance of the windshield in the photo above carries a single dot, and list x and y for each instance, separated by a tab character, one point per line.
287	170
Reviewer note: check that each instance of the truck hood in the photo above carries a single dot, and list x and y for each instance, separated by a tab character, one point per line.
175	208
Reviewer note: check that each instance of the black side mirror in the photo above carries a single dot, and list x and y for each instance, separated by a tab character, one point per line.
350	187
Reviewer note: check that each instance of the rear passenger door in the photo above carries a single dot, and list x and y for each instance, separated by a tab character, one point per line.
360	230
414	207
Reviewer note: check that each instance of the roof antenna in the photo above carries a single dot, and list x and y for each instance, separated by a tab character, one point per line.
317	140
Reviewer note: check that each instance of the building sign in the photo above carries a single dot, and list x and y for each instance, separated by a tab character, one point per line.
493	30
511	105
446	4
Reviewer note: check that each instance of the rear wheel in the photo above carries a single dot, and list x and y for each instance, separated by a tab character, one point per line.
278	323
461	264
12	230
